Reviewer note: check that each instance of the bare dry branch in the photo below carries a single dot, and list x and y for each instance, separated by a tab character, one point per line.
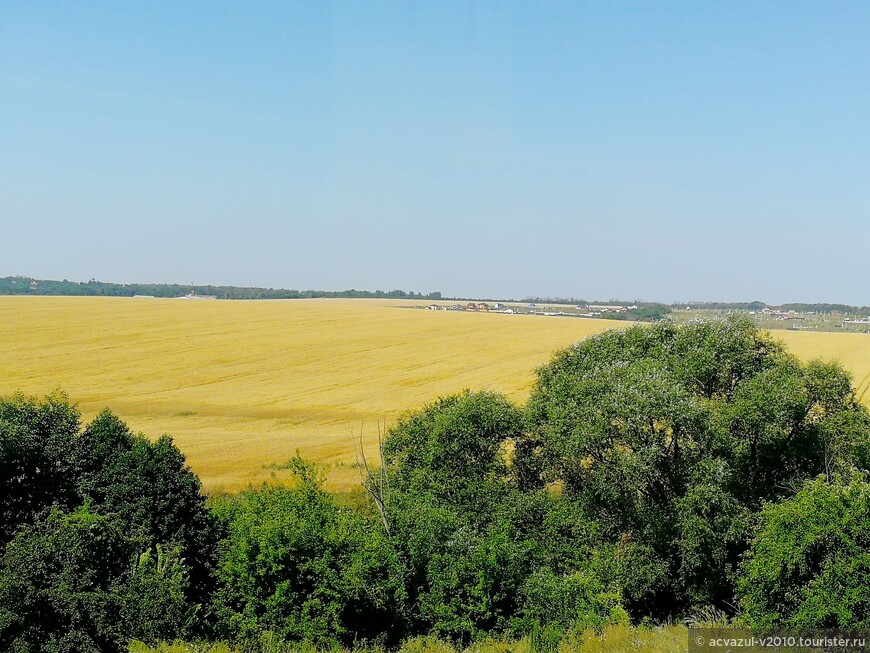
374	484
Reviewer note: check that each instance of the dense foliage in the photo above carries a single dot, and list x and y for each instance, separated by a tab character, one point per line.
810	559
655	472
673	437
81	583
105	535
642	313
297	564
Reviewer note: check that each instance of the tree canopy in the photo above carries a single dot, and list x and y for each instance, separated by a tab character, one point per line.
105	534
672	436
810	559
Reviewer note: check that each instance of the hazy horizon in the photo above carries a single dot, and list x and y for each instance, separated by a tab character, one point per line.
508	298
677	152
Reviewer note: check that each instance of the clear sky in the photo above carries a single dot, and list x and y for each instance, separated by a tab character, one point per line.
663	151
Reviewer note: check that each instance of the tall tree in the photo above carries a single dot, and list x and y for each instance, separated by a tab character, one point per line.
670	436
37	469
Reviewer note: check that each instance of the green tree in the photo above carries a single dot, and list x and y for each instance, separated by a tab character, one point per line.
447	474
453	451
37	439
47	463
297	564
78	583
149	486
810	559
671	437
470	535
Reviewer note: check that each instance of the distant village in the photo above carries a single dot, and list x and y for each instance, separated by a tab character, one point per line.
802	318
768	317
581	310
778	314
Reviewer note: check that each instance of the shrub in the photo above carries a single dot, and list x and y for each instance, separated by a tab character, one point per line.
295	563
810	559
78	583
575	600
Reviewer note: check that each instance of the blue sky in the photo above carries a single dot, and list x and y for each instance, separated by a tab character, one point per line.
664	151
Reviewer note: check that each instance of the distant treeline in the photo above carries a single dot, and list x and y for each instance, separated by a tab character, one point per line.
757	306
93	288
642	313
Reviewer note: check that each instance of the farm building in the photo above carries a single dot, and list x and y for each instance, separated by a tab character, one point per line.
192	295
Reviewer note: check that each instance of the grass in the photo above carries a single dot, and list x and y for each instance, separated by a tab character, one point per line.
242	385
611	639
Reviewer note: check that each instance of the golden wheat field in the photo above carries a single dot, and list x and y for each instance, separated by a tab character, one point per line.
241	385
